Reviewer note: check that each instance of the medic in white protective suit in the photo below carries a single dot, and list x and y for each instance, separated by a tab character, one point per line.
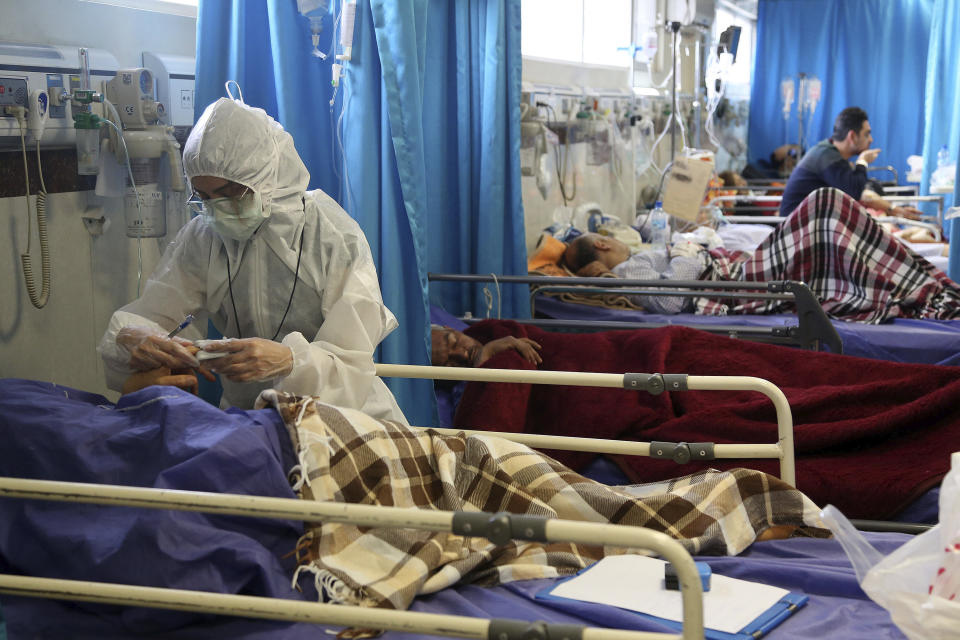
267	261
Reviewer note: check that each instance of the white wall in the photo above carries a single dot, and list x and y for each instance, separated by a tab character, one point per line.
92	276
125	33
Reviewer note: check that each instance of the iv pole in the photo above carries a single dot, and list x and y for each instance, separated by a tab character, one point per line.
675	27
801	98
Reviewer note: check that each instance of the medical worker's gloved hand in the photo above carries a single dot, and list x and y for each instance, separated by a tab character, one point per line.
151	349
250	359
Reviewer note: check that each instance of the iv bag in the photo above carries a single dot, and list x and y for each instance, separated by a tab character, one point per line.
314	11
313	8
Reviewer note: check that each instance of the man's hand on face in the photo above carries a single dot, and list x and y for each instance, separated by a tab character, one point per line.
868	156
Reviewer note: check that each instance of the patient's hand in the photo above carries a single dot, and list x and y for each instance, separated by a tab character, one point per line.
906	212
593	269
524	346
185	379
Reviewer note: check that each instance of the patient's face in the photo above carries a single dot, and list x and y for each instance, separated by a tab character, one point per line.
451	348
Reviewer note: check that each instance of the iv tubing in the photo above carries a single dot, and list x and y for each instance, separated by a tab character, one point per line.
136	193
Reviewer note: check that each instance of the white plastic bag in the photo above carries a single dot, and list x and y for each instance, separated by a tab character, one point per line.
919	583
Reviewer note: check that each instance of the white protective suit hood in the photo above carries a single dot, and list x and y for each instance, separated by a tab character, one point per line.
336	314
245	145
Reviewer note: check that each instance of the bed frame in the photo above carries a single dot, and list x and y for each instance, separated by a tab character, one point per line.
498	528
772	205
652	383
812	331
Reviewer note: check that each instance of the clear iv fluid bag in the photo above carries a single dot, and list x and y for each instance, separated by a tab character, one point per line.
313	8
314	11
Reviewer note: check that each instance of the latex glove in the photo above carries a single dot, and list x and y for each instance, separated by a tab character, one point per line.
868	156
524	346
151	349
250	359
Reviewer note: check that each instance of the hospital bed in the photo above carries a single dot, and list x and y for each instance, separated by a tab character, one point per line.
901	340
809	328
49	609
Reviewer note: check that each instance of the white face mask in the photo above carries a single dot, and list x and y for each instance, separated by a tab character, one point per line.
235	218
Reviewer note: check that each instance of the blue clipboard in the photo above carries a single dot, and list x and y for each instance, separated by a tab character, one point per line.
759	627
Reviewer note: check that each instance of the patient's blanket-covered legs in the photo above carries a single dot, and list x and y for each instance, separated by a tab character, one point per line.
346	456
857	270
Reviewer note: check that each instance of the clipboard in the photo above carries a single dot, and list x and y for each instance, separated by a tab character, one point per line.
783	606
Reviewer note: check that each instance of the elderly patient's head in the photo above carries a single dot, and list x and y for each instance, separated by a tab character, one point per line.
451	348
591	247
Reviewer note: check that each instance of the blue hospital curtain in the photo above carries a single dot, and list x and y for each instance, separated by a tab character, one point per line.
942	114
420	145
866	53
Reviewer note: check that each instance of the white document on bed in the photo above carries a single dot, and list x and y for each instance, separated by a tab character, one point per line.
636	583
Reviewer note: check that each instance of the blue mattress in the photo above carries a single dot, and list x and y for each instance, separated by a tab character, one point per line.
164	437
902	340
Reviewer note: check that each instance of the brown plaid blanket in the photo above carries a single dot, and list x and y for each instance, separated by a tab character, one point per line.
857	270
347	456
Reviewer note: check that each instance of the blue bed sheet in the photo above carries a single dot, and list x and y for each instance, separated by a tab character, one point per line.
157	437
837	608
163	437
902	340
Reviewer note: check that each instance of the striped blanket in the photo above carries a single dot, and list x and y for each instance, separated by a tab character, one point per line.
346	456
857	270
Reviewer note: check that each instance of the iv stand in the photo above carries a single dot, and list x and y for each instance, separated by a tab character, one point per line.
801	98
675	27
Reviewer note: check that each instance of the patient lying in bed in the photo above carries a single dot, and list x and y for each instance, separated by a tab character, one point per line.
870	434
164	437
858	270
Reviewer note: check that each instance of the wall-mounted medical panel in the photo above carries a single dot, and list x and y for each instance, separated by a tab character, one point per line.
27	68
175	84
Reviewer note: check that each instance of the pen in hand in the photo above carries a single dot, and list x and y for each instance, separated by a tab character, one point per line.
183	325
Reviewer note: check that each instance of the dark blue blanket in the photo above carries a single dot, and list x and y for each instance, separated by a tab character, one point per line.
157	437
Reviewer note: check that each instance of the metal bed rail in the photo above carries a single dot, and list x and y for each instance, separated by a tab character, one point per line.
891	169
652	383
497	527
813	327
907	199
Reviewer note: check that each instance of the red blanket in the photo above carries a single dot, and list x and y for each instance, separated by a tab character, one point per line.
871	435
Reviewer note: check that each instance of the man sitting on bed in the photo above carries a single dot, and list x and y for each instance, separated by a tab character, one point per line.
828	165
